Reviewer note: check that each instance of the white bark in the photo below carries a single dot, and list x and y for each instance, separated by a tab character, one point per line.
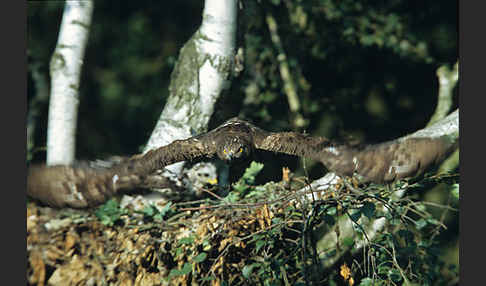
202	72
447	82
65	68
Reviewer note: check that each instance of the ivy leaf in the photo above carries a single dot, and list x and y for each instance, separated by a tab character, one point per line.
186	240
149	211
348	241
248	269
332	211
368	209
394	275
200	257
109	212
259	244
421	223
383	269
356	215
366	282
165	209
186	269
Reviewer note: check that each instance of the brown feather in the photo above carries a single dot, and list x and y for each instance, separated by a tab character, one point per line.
85	186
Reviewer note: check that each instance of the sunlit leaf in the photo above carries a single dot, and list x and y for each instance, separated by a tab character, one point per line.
200	257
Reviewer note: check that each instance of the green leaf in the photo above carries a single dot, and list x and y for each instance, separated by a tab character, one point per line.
240	187
368	209
276	220
165	209
109	212
455	191
421	223
394	275
329	220
243	184
149	211
332	211
248	269
158	217
186	240
174	272
433	221
209	278
383	269
259	244
179	251
356	215
232	197
187	268
366	282
395	221
200	257
348	241
252	171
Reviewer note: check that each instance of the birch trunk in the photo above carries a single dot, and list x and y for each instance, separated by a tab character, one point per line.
65	68
201	74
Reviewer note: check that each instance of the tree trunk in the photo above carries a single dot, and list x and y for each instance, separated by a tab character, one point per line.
65	68
201	74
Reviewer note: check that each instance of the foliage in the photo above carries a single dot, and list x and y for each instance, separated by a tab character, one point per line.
155	214
110	212
244	184
267	235
455	191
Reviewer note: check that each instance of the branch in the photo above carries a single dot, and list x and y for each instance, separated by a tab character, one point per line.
447	82
289	86
447	127
66	63
201	74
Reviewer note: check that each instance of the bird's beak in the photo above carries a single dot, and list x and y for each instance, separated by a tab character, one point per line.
213	181
228	154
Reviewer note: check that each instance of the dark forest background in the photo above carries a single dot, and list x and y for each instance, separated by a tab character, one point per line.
364	71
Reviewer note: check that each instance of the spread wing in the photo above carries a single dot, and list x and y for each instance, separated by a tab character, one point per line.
378	163
85	186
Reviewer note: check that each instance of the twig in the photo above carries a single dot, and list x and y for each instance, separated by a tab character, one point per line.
289	86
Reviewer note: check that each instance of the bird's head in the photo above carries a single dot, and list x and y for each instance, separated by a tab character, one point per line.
233	148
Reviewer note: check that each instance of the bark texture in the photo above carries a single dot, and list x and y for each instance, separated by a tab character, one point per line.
66	64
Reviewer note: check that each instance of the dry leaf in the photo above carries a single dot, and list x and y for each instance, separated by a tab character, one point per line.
285	174
69	241
38	268
345	271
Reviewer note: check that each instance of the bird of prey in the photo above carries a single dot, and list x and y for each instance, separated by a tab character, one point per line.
86	186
